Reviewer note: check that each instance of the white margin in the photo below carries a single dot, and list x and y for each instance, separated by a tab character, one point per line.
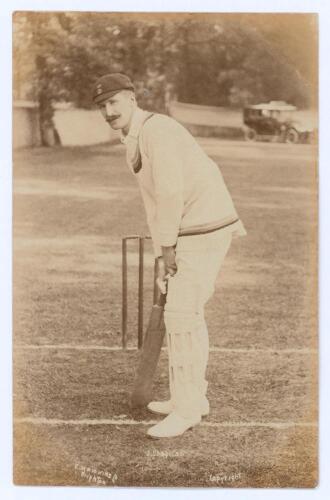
17	493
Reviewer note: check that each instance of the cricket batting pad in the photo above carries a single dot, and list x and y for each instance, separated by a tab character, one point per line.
186	375
150	351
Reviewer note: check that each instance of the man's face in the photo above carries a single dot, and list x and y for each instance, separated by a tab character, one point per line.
118	110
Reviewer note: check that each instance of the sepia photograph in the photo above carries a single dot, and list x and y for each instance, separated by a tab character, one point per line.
165	249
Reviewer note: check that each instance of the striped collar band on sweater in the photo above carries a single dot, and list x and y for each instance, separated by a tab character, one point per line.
131	140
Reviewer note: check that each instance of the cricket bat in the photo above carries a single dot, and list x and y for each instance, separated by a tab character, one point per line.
149	356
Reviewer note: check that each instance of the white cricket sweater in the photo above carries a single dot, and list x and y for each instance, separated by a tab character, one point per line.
183	190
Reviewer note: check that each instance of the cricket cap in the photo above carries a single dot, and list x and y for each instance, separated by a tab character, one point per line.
108	85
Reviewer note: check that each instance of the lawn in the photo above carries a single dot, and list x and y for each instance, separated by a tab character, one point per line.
72	206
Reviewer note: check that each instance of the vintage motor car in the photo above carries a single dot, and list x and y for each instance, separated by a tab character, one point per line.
277	121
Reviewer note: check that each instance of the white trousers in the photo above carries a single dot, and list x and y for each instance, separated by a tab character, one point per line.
198	260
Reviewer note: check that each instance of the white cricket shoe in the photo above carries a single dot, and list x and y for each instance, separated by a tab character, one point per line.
173	425
165	407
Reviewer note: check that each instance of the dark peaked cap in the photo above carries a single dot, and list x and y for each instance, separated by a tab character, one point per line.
109	85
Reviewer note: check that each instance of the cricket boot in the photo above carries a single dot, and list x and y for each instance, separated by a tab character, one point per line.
166	407
173	425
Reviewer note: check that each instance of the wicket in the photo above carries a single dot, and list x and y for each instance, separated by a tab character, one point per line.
141	241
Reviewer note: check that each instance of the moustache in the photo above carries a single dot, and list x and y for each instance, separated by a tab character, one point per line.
110	119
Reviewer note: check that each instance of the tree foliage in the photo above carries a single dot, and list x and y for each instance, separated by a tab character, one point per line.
211	59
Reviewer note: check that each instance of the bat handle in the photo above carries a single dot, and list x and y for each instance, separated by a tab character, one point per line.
161	300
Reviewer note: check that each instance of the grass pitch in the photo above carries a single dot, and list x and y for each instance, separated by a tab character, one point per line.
72	206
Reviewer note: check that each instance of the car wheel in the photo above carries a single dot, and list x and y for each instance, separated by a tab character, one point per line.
291	136
250	134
